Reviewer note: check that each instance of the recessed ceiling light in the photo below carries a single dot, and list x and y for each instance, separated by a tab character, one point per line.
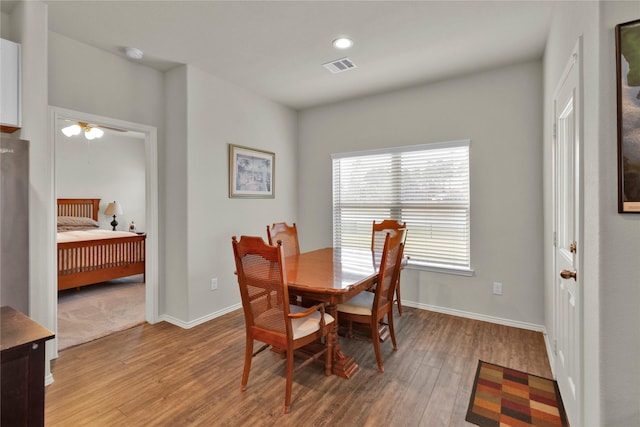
342	43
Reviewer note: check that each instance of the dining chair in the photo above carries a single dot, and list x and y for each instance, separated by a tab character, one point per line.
378	234
370	308
288	234
269	318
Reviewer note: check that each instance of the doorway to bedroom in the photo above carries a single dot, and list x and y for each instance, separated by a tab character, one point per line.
119	167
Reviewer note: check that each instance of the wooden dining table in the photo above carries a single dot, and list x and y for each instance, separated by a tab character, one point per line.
332	276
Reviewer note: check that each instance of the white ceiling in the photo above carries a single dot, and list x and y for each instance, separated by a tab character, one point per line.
277	48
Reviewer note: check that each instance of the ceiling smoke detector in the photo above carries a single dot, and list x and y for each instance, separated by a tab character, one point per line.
340	65
133	53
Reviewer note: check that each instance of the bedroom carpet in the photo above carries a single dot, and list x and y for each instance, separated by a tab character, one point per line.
98	310
506	397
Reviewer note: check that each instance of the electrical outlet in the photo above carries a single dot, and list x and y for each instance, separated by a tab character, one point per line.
497	288
214	283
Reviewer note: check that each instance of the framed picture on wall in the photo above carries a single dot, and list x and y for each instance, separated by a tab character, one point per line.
251	172
628	88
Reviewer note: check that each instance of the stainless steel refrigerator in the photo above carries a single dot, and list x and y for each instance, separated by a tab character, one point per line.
14	223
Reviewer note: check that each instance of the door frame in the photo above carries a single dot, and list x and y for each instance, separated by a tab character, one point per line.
574	64
151	205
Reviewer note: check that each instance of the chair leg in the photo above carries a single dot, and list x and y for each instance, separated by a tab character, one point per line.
398	297
287	396
391	329
350	329
375	337
248	355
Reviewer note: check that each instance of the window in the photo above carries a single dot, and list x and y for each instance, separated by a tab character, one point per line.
426	186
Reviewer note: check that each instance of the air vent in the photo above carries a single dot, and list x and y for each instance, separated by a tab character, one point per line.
340	65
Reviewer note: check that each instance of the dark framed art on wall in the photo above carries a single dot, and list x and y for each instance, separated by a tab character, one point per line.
628	92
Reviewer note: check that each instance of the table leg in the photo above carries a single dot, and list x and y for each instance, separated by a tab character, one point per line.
342	365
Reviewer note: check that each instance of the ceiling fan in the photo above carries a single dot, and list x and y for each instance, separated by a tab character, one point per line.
91	130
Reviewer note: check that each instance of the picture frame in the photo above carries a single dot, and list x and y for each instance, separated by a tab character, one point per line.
628	109
251	173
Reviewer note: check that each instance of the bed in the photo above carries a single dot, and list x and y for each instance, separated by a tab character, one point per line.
88	255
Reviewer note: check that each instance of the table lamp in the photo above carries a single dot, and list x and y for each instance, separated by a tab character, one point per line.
113	209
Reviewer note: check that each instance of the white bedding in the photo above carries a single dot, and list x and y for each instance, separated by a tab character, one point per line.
83	235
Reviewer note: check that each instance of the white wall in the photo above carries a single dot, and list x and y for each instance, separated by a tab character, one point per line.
110	168
5	26
173	156
501	112
620	246
218	113
90	80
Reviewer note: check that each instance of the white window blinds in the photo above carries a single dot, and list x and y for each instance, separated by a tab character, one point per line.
426	186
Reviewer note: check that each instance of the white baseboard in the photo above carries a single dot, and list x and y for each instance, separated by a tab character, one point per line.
550	355
476	316
201	320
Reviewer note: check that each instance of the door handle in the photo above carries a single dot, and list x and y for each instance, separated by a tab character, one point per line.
566	274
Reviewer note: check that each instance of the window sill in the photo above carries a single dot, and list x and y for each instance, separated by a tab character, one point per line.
446	270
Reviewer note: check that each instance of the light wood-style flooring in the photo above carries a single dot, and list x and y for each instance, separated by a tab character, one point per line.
163	375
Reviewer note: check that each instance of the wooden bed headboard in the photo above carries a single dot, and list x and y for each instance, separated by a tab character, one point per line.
79	207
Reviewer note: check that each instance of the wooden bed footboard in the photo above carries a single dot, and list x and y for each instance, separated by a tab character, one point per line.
87	262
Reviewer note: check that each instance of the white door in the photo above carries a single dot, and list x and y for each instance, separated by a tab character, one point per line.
567	280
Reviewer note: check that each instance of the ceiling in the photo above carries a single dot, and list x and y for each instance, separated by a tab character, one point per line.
277	48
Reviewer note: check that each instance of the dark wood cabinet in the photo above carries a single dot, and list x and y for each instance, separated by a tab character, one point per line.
22	357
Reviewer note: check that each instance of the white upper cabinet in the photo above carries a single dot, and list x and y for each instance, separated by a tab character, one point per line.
10	64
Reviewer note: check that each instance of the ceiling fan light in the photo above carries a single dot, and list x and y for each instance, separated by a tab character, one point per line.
93	133
71	130
97	132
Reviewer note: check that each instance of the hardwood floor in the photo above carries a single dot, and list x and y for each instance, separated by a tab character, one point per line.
162	375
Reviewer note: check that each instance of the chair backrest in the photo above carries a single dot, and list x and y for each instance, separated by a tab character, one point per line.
379	231
389	269
263	286
287	234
